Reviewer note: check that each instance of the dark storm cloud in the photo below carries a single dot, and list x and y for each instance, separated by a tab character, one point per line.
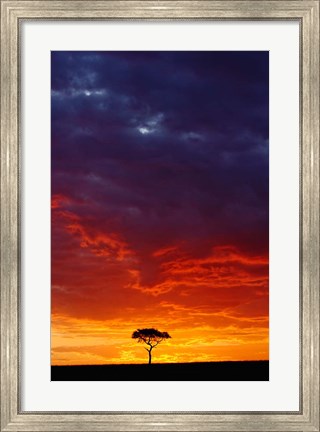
164	147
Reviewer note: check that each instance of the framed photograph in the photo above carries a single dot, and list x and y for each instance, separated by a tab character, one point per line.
160	215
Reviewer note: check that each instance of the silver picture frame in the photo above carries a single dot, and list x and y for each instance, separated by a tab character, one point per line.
13	13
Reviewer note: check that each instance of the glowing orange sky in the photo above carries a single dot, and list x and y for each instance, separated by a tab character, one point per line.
159	206
215	308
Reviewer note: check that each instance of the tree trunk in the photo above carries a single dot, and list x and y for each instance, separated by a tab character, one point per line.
149	356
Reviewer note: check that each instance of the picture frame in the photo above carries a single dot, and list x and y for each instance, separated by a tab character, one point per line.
12	14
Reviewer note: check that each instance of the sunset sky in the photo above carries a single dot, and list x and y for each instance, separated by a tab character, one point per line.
160	195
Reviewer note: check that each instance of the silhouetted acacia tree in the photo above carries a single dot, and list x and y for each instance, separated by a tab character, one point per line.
150	336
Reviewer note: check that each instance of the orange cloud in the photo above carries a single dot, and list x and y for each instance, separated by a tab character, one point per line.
226	267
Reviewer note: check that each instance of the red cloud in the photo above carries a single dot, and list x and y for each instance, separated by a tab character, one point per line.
98	242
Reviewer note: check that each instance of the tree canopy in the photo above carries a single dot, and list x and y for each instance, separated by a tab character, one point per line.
149	334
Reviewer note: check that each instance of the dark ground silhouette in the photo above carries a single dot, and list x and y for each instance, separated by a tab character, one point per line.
204	371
